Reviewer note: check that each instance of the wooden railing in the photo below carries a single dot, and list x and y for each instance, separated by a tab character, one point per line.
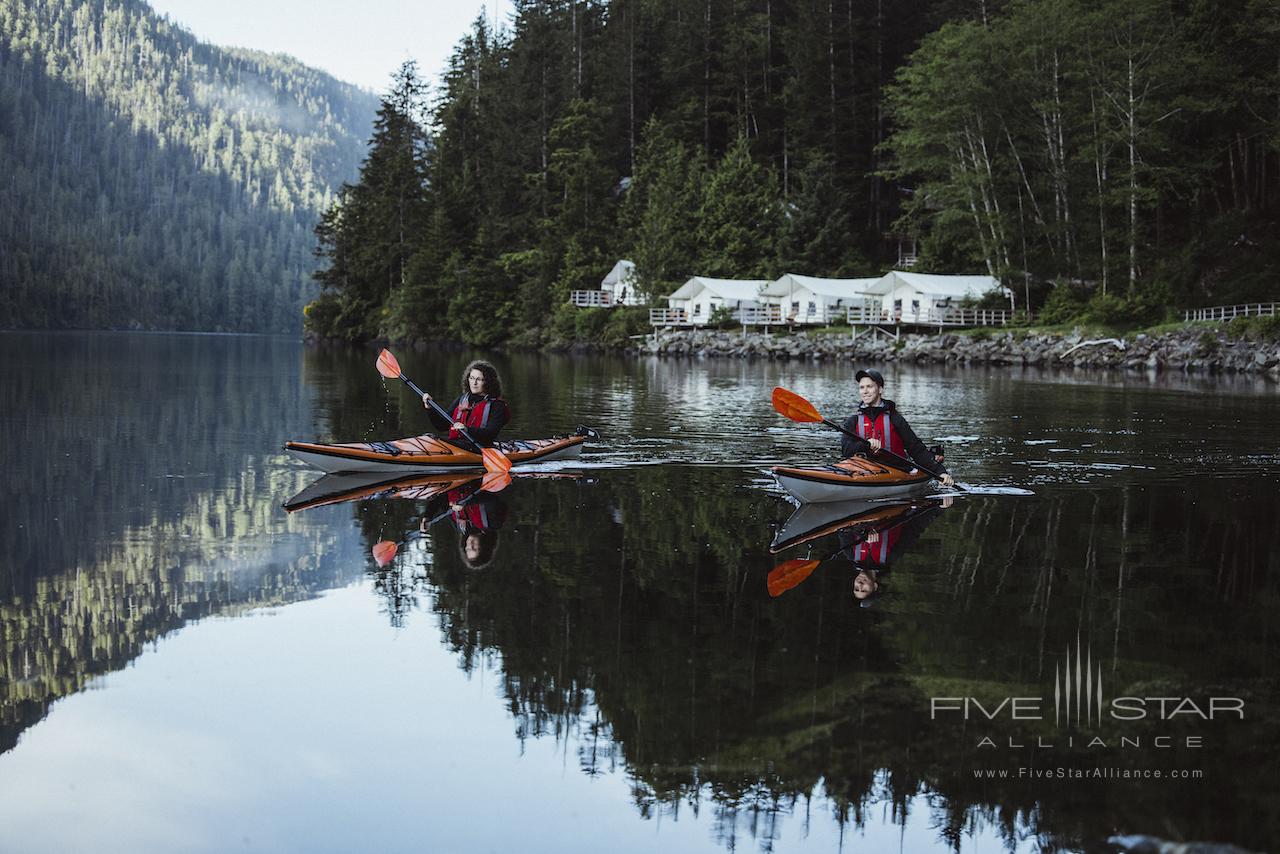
765	315
768	315
1230	312
863	316
668	317
591	299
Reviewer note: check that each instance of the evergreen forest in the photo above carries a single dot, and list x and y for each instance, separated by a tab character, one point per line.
1106	158
149	180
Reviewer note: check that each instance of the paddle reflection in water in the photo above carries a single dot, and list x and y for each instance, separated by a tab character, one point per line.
870	535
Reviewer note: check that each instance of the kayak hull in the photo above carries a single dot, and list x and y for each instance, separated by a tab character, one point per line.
814	521
424	455
854	478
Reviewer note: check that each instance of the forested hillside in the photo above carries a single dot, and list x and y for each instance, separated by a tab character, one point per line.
150	180
1106	157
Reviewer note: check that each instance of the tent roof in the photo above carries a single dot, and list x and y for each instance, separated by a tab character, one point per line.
823	287
935	285
620	271
730	289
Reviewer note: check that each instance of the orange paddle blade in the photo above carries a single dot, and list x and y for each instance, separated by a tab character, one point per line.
788	574
793	406
388	366
495	462
495	481
383	552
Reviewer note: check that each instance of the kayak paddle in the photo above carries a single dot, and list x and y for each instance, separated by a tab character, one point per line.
384	551
793	406
494	460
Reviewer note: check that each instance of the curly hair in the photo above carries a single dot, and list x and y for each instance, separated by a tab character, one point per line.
492	382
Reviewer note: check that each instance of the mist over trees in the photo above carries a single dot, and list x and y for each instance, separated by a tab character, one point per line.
148	180
1119	157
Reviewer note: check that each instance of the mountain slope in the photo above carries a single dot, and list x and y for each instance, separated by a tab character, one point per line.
150	180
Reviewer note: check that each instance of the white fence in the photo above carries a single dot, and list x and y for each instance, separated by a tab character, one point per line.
1230	312
864	316
591	299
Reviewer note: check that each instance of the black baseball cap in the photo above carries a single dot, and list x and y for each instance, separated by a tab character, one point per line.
873	375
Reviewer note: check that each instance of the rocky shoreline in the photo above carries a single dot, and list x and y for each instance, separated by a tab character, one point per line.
1192	350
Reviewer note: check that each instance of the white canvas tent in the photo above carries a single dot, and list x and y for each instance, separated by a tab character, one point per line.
922	297
701	295
620	284
810	299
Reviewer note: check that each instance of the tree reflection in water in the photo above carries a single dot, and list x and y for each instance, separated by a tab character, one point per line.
632	621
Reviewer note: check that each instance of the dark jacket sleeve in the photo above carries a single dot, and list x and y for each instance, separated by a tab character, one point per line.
852	445
440	422
499	415
915	448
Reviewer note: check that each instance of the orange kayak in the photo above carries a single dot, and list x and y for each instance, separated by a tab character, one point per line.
425	454
856	477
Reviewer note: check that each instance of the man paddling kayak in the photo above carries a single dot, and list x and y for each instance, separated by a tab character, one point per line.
479	410
878	424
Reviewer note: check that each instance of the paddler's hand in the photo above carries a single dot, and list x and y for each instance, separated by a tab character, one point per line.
426	400
948	481
875	444
873	537
459	426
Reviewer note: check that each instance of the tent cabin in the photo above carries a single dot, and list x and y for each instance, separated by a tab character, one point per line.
923	297
700	296
620	285
810	299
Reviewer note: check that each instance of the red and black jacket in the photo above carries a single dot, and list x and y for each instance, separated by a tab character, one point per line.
885	423
476	511
483	415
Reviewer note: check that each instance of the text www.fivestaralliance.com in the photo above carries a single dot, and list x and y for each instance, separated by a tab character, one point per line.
1093	773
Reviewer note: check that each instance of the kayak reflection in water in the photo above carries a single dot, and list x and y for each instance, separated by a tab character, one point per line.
479	410
477	515
872	553
871	536
879	425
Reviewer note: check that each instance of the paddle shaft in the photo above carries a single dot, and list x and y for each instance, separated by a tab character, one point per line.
887	452
439	409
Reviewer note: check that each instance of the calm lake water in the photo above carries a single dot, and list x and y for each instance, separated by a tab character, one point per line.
188	667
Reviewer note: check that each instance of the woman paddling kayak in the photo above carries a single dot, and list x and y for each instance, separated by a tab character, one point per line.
878	424
479	410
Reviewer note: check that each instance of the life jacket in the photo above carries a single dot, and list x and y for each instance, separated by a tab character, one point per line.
877	552
473	516
475	416
880	427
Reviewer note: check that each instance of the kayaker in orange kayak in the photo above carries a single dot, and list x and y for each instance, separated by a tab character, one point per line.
480	409
878	424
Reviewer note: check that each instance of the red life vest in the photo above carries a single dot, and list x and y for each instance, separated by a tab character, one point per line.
877	552
476	416
881	428
468	517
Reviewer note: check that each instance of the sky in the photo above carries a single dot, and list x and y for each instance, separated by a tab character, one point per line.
357	41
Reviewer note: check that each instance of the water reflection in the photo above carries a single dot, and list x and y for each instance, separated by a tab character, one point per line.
868	536
652	643
627	617
147	508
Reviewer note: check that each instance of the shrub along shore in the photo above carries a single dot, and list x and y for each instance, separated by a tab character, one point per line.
1251	347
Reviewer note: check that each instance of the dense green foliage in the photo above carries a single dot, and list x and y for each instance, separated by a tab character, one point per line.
1128	149
1128	146
151	180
